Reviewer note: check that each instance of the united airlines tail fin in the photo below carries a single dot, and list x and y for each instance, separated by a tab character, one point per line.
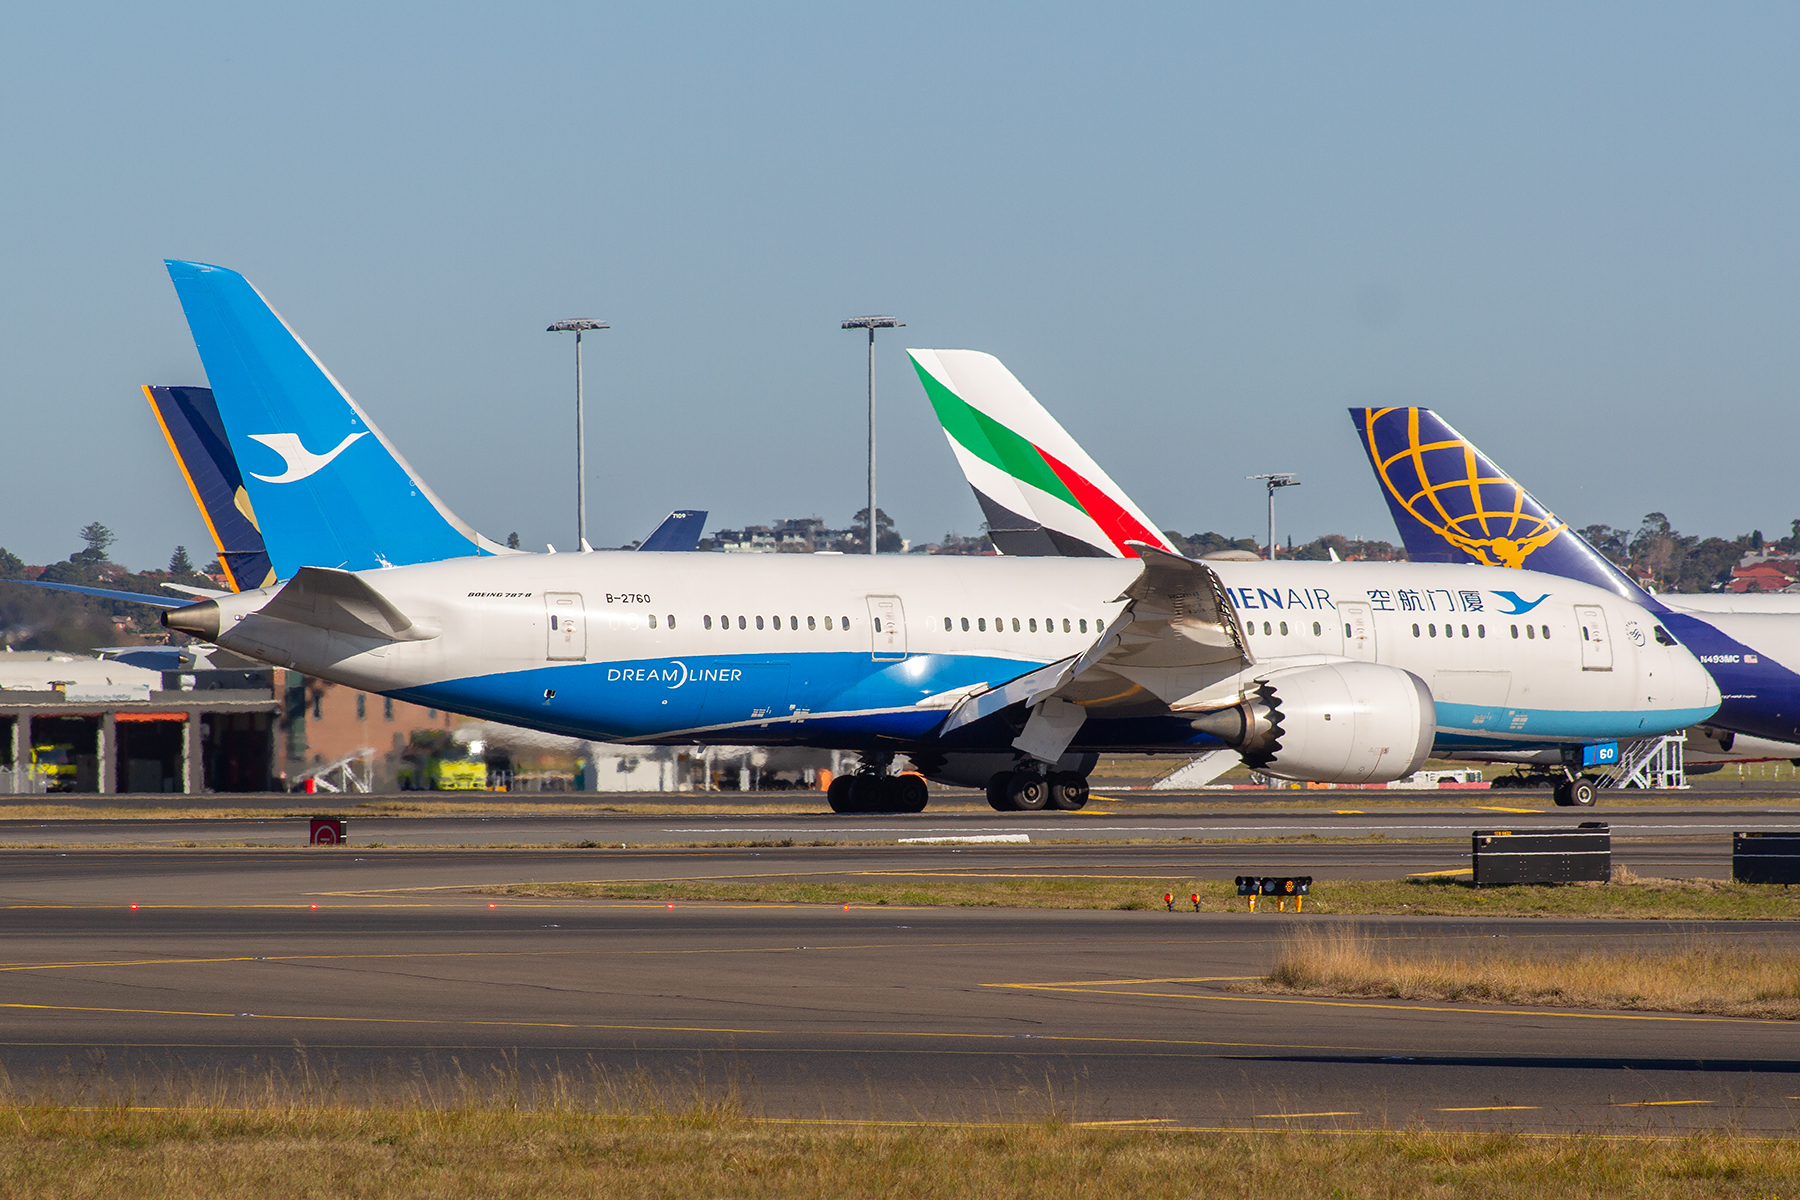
1453	504
190	421
1040	492
327	487
679	531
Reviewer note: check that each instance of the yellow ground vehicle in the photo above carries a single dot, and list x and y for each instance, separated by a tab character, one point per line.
55	765
450	770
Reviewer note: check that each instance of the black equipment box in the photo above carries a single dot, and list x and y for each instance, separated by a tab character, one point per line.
1577	855
1765	857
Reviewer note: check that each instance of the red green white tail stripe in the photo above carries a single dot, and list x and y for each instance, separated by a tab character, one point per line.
1041	493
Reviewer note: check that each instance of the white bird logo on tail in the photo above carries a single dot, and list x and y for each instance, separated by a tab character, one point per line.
300	461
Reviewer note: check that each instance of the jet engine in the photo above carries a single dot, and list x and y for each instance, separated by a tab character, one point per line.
1351	722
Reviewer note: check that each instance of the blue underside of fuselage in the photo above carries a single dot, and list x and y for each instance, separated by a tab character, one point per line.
848	701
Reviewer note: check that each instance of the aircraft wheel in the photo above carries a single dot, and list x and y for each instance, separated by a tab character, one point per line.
998	799
1028	791
1068	791
868	793
1582	793
838	794
909	794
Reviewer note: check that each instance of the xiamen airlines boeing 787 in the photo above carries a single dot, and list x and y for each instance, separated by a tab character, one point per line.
1007	672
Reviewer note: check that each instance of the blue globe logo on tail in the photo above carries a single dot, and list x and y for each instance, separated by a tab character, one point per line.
1451	503
1438	484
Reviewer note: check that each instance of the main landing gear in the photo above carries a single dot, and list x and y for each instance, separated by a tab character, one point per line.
873	790
1030	791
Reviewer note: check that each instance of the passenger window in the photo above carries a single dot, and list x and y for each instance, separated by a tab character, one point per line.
828	622
653	620
981	624
1066	628
1546	633
877	624
846	621
1415	631
759	623
1481	631
811	624
1347	632
1033	624
1268	629
1015	624
741	622
1431	630
1465	631
1250	628
1531	631
793	622
706	620
1584	634
1316	629
1099	626
946	624
777	621
1515	631
671	620
1084	624
1284	629
965	624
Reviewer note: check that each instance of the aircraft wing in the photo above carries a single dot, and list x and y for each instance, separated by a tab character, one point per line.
104	593
1176	642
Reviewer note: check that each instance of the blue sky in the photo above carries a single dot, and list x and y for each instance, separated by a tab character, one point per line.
1197	233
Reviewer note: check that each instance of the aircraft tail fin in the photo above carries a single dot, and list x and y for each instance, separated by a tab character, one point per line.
327	487
680	531
190	422
1040	492
1453	504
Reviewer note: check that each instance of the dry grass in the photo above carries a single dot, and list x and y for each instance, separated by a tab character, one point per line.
200	1151
1697	899
1696	974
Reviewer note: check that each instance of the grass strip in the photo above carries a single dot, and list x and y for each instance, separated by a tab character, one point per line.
1646	898
1697	975
336	1151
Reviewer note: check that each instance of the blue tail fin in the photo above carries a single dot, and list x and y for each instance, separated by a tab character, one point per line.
190	421
680	530
327	488
1452	504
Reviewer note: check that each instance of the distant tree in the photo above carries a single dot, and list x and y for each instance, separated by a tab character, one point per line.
98	537
886	540
215	567
180	563
512	541
11	567
1756	541
1610	542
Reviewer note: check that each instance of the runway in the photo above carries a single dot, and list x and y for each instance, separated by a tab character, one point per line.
402	977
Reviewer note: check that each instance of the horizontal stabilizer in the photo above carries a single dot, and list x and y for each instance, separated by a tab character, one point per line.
104	593
342	602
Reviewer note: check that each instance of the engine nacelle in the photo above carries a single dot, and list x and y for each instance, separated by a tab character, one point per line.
1350	722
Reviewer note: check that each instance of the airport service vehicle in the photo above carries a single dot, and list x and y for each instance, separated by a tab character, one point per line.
1452	504
1491	651
1010	672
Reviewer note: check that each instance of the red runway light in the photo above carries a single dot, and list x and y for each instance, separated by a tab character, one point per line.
490	906
846	908
671	906
315	906
134	908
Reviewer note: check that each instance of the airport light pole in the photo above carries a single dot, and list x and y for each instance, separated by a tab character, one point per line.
1278	479
872	324
578	326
